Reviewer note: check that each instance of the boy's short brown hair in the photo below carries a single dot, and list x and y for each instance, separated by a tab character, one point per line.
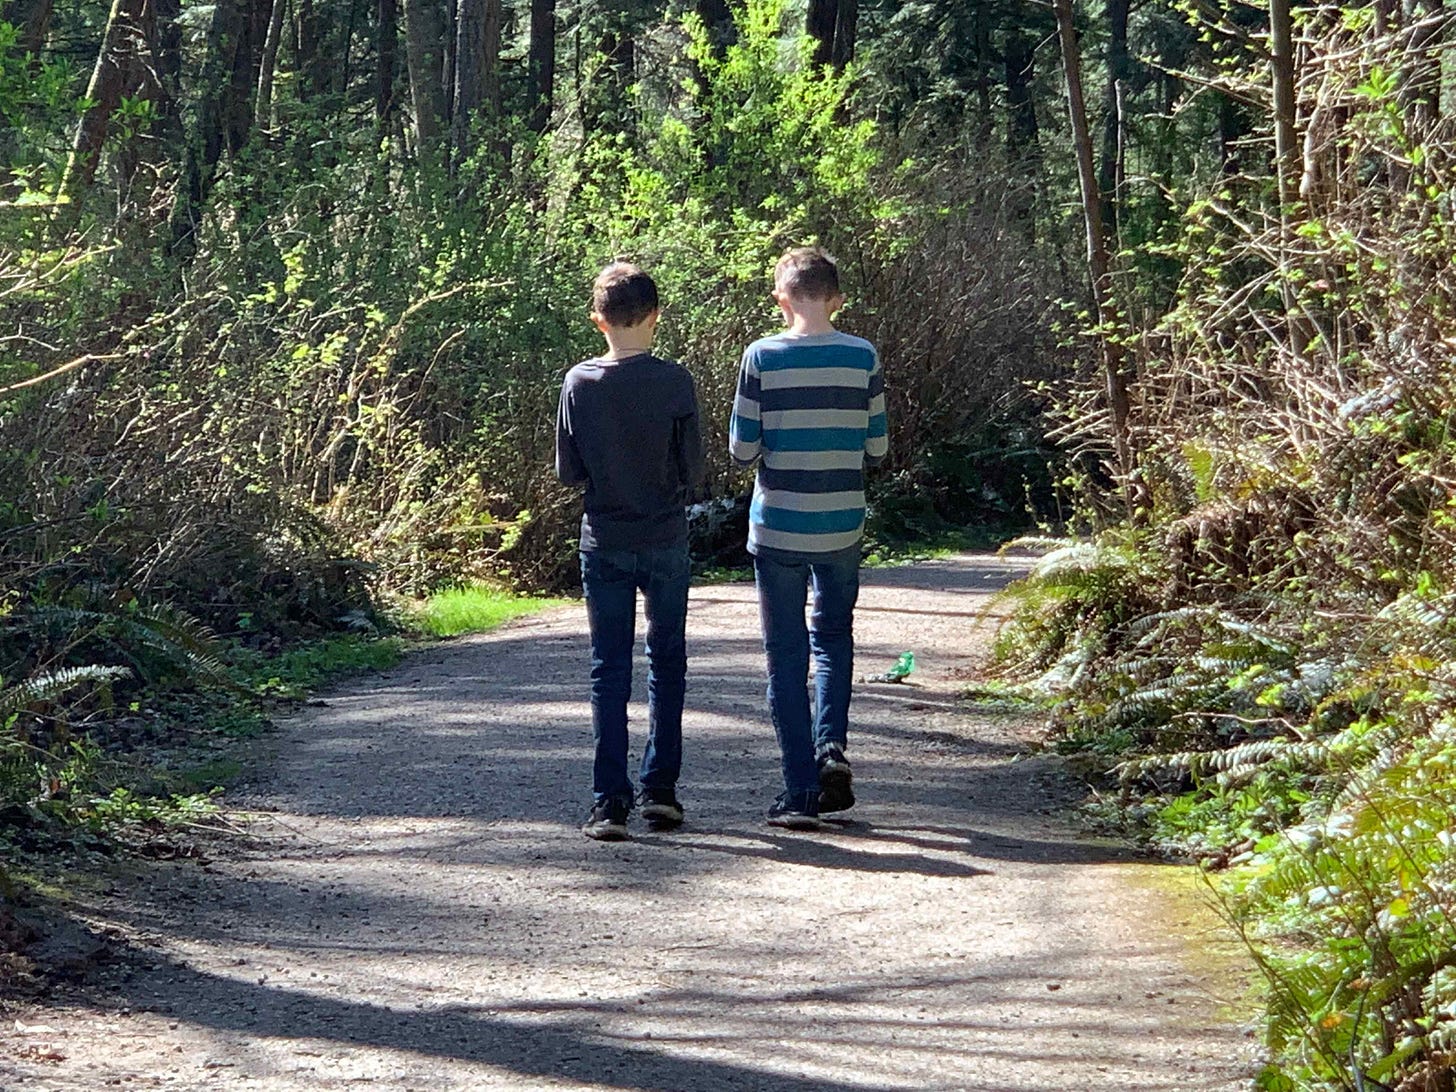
623	295
807	273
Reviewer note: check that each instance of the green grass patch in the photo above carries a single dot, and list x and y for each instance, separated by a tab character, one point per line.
883	551
474	608
295	671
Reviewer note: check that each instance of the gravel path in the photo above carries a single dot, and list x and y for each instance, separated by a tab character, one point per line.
418	909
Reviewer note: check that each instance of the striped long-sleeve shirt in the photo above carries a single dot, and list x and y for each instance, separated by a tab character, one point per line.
811	409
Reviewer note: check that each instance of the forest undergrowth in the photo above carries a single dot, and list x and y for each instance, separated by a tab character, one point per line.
1261	661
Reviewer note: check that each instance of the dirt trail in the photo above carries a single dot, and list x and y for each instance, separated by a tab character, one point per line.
420	911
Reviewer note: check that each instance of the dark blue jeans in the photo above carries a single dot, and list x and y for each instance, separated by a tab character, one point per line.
611	580
782	593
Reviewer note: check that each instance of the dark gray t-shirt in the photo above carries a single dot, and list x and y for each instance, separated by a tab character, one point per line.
628	430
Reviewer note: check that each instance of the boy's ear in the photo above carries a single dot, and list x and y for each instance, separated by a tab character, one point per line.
599	322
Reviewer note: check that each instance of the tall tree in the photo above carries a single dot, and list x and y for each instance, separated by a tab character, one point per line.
1099	261
114	75
387	43
205	136
239	106
424	48
310	27
1281	63
541	64
263	103
846	27
832	24
1119	72
477	63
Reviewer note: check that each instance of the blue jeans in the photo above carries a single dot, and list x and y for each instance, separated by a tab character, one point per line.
611	580
782	592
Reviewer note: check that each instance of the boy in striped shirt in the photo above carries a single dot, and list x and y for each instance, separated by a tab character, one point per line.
810	411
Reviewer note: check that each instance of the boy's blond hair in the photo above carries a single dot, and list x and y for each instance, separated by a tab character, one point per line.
807	273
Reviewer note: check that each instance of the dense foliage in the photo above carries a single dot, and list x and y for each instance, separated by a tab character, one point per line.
1262	655
287	292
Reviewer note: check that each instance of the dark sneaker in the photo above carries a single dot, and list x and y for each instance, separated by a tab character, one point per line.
660	808
835	793
607	821
797	812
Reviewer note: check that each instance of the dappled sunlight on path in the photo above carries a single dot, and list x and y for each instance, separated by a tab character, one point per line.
418	909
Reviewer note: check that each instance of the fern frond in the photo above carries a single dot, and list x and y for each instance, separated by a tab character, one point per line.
184	640
1038	542
1251	755
49	685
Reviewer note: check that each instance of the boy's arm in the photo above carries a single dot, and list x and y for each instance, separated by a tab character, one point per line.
877	436
569	467
745	432
688	441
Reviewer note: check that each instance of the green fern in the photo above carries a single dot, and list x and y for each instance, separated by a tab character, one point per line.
49	685
180	639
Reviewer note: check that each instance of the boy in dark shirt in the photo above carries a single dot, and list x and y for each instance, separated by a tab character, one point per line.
627	430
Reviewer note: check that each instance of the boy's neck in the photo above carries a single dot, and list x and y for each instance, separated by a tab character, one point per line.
808	325
625	341
809	317
619	348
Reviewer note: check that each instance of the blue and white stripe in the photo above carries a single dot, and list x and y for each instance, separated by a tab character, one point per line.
811	410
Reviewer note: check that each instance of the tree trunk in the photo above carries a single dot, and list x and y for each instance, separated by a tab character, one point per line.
490	59
819	25
1022	132
33	19
832	24
424	49
846	27
1281	61
1098	260
108	84
469	89
1119	71
447	70
263	107
1421	82
246	71
388	44
308	48
205	138
477	69
541	64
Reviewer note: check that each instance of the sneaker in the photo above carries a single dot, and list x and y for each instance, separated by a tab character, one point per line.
797	812
835	793
607	821
660	808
